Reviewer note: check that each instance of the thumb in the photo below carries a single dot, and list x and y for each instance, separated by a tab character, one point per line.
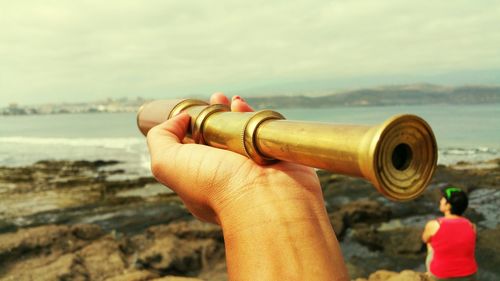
168	134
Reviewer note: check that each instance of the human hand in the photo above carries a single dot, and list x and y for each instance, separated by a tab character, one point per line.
273	217
211	181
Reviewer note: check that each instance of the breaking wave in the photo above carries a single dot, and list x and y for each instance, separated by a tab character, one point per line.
131	152
114	143
453	155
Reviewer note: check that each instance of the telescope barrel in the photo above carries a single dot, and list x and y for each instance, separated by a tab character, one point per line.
398	156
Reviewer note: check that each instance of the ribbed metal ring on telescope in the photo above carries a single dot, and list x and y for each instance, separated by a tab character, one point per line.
249	133
197	124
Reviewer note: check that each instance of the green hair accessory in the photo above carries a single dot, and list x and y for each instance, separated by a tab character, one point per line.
448	191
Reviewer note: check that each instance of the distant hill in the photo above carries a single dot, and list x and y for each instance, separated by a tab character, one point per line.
417	94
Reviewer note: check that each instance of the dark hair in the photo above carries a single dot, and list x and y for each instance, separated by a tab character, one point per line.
457	198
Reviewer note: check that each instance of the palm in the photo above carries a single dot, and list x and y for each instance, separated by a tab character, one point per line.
217	177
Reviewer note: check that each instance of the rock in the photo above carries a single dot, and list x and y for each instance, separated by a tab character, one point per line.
355	271
176	278
487	252
382	275
103	259
339	189
134	275
66	267
405	275
17	245
217	271
364	211
170	254
55	252
65	192
337	221
82	252
87	231
192	229
7	227
395	242
408	275
369	237
155	237
406	241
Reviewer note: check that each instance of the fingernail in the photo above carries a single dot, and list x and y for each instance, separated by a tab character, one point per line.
238	98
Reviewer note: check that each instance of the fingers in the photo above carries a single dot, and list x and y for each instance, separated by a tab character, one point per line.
238	104
219	98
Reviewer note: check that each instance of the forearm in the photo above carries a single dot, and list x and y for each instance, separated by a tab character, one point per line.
283	239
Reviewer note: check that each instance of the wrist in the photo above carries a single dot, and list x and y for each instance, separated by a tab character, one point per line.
268	205
286	236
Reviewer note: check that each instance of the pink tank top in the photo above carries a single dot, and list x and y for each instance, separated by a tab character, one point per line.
453	246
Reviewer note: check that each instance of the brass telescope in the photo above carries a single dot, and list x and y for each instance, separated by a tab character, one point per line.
398	156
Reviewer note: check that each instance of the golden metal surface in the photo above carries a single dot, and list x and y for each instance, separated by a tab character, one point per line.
398	156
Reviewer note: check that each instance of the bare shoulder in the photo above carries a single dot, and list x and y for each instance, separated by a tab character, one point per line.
432	226
430	229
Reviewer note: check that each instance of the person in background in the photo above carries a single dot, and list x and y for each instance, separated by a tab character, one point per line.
273	218
451	239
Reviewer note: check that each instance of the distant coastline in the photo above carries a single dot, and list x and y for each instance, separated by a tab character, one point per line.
106	106
413	94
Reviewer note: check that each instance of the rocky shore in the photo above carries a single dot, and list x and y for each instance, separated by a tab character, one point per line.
84	220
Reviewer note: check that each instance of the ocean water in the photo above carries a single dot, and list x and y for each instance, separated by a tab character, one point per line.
464	133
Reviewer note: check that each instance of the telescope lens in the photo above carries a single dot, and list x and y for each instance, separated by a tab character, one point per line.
401	156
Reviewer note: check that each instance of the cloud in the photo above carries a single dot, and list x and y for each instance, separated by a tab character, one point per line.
60	50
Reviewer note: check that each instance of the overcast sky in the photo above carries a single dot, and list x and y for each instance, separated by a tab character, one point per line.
54	51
